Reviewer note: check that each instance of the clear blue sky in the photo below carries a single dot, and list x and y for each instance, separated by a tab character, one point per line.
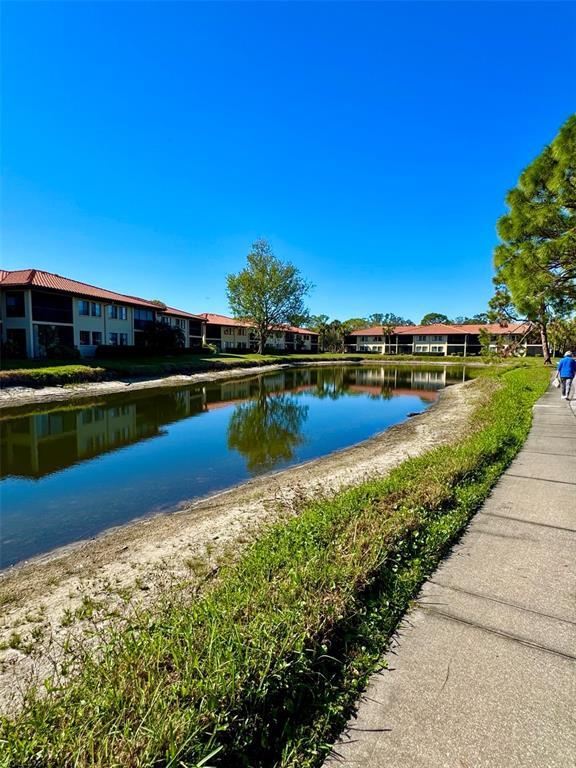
146	145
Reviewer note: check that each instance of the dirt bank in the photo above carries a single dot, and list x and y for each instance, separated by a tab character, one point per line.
49	599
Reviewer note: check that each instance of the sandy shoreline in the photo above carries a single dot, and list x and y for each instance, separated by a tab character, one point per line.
142	558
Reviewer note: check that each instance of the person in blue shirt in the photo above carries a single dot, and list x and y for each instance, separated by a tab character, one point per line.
566	373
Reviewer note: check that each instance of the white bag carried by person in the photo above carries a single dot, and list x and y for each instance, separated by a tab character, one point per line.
556	382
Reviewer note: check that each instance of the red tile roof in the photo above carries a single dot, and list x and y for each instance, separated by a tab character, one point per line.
293	329
441	329
180	313
214	319
36	278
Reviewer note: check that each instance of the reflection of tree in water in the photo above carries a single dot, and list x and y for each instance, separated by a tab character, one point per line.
267	430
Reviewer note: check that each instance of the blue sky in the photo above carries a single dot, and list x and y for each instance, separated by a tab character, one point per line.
146	145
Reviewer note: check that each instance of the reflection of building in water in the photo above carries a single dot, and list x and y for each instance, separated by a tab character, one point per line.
432	379
402	378
40	444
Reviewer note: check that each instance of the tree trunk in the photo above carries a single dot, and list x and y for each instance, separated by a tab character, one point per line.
545	346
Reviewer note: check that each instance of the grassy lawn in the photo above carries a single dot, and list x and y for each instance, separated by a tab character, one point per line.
264	666
36	373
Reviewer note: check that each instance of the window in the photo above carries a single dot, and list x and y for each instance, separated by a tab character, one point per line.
420	338
113	339
123	339
228	331
436	348
143	314
421	348
15	304
89	308
116	312
241	331
84	338
143	318
96	338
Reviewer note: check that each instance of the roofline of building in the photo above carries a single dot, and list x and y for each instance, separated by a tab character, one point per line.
233	322
118	297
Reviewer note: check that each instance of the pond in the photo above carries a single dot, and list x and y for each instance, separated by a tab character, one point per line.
69	473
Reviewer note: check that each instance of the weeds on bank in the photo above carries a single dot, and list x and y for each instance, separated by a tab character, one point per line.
263	669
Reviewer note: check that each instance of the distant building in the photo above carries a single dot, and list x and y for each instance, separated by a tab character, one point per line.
439	339
228	334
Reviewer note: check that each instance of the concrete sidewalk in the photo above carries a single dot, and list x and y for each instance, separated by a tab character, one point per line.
482	672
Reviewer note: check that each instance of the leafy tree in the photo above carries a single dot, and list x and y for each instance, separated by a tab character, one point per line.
388	327
481	318
398	320
335	337
268	293
536	260
161	337
562	334
320	324
434	317
379	318
355	323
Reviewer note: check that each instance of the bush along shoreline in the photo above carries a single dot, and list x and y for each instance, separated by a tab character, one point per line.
265	666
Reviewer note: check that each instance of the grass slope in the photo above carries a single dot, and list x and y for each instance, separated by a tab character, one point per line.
264	667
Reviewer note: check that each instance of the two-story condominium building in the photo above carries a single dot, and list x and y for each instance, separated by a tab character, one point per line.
438	339
39	309
227	334
192	326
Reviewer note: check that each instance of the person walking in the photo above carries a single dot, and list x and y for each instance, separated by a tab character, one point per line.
566	373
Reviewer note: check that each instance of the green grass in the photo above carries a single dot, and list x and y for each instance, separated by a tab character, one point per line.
51	376
35	373
264	667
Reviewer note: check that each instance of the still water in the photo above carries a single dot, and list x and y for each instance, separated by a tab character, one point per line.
70	473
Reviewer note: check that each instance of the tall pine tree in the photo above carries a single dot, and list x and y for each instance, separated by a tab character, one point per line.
536	260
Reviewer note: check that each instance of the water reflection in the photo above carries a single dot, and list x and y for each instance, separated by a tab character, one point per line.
70	473
40	444
267	431
265	427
